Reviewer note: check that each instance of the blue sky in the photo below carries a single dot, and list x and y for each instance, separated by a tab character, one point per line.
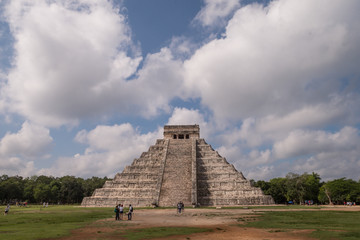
87	86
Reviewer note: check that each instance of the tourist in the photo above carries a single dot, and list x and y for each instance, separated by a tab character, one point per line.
116	210
131	209
121	211
179	207
7	209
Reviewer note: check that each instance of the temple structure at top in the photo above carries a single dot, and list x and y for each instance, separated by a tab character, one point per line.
179	167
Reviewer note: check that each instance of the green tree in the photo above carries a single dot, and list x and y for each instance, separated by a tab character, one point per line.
294	187
277	189
11	188
55	187
265	186
312	186
339	190
71	190
29	185
42	193
90	184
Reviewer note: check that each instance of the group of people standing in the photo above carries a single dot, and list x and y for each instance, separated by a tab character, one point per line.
119	212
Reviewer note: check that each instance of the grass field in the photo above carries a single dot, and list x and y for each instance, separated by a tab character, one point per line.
36	222
326	224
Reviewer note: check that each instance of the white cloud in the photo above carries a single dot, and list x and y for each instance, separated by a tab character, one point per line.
31	141
110	149
158	81
300	142
278	60
332	165
215	11
332	155
18	151
62	52
277	74
73	60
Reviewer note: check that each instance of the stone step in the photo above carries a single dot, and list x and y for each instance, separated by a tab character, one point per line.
131	184
207	154
176	185
258	200
146	162
216	168
230	193
141	169
137	176
219	176
114	201
115	192
202	184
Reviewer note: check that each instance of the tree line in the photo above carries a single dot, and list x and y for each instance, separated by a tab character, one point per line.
69	189
299	188
39	189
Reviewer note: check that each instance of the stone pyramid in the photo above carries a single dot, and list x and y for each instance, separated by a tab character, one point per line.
180	167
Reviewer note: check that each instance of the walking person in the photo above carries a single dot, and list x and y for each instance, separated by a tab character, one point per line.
116	210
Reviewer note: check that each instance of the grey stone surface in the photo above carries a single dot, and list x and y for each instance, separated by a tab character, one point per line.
180	167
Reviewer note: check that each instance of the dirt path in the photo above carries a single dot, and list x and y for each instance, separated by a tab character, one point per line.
223	222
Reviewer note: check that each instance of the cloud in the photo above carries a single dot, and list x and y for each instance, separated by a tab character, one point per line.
215	11
110	149
158	81
31	141
300	142
62	52
75	60
18	151
279	60
275	80
332	155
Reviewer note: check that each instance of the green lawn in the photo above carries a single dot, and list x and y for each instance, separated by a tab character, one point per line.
36	222
326	224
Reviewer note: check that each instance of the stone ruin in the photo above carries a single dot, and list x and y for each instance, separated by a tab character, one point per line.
180	167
